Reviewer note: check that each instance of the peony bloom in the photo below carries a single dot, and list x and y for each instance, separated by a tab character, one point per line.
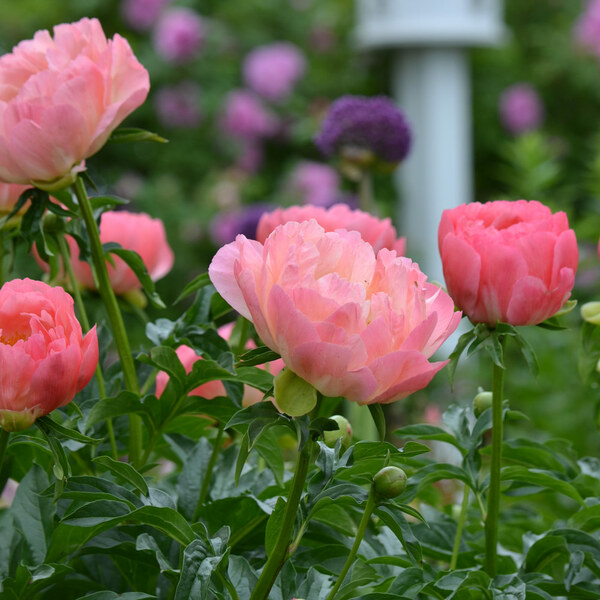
60	99
509	262
350	323
9	195
521	109
134	231
246	117
179	35
380	233
178	105
273	70
360	124
141	14
44	358
315	183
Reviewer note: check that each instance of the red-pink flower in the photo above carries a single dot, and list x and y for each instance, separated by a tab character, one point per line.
348	322
509	262
61	97
133	231
9	195
44	358
380	233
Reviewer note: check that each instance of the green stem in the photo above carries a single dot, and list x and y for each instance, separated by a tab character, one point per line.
279	553
4	435
207	476
362	528
114	315
1	258
493	500
227	583
365	192
149	381
459	527
85	322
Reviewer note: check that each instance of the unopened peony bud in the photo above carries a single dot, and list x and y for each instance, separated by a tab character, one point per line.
344	432
481	402
590	312
389	482
293	395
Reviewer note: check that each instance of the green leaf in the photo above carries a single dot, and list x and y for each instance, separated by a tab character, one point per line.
257	356
464	340
106	201
379	420
267	445
545	551
396	521
71	434
107	595
190	479
196	284
108	408
538	478
429	432
274	525
124	471
134	134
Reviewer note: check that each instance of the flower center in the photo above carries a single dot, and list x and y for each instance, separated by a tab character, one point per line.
12	339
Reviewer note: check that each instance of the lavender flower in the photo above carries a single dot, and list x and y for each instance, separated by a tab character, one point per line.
141	14
273	70
521	109
226	226
246	117
178	105
315	183
179	35
587	29
372	125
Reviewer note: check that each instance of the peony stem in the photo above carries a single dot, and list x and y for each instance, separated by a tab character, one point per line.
279	553
493	500
1	258
114	315
459	527
365	192
4	435
362	528
207	476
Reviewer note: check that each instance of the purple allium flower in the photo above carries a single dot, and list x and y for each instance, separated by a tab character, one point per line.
521	109
251	156
178	105
587	28
226	226
141	14
315	183
179	35
273	70
246	117
373	124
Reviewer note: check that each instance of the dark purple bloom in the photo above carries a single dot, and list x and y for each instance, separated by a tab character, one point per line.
521	109
373	124
226	226
179	35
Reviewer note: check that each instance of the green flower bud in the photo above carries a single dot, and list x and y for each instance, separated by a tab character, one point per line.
481	402
344	432
590	312
389	482
293	395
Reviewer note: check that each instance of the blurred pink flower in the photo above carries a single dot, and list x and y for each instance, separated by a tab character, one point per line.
315	183
273	70
348	322
246	117
178	105
9	195
141	14
179	35
521	108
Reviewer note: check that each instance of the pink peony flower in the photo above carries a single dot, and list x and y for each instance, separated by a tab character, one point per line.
315	183
378	232
44	358
9	195
273	70
134	231
141	14
509	262
348	322
179	35
246	117
60	99
521	109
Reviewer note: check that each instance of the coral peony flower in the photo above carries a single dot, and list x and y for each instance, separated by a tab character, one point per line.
179	35
509	262
246	117
44	358
315	183
273	70
362	124
9	195
350	323
133	231
380	233
60	98
521	109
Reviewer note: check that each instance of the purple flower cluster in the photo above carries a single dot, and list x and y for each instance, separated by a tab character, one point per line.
179	35
178	105
246	117
141	14
226	226
315	183
373	124
587	29
521	109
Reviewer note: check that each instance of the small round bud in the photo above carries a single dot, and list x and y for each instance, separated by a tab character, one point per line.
344	432
389	482
590	312
293	395
482	402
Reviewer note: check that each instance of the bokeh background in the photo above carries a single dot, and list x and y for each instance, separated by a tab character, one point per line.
233	153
